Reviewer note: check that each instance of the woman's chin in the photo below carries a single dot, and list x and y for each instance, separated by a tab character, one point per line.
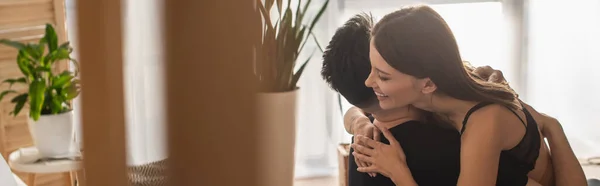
385	104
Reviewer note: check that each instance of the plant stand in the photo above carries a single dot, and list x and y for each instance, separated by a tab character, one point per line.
21	161
343	154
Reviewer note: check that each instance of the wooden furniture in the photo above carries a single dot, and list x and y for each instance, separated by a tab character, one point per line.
343	153
26	160
24	20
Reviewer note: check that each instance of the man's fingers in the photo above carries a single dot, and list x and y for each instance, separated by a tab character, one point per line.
362	149
497	77
367	142
484	71
358	140
376	134
388	135
362	157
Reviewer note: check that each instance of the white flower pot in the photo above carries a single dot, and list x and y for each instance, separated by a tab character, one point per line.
53	135
277	126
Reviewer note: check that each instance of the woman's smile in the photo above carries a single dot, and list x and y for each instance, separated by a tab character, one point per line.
380	96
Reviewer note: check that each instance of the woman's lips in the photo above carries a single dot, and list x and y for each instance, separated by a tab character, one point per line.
380	94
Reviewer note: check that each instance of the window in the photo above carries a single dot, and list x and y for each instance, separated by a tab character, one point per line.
562	71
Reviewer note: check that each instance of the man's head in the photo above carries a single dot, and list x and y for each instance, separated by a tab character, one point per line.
346	63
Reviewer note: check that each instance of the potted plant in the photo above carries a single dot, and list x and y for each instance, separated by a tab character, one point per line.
49	94
276	62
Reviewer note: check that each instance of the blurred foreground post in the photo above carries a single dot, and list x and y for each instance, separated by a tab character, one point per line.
103	117
211	92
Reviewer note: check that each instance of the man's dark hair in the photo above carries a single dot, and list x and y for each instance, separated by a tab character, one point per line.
346	63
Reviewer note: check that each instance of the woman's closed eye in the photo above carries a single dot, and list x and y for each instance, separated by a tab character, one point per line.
382	77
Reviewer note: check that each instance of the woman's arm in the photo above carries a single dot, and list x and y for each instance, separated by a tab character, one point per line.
567	169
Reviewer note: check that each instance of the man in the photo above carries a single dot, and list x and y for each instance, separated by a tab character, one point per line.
345	67
432	151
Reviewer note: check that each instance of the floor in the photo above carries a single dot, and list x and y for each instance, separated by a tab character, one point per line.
590	172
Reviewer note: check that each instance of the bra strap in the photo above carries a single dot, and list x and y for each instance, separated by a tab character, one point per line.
473	109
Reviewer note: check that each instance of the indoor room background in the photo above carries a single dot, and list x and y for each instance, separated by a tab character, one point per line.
547	49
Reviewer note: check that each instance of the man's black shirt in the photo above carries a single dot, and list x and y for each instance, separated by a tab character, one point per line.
432	155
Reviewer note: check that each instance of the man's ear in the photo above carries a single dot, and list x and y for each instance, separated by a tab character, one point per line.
427	86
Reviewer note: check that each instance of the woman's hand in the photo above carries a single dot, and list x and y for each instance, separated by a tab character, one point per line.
388	160
362	126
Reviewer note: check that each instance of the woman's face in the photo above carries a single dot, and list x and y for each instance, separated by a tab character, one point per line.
393	88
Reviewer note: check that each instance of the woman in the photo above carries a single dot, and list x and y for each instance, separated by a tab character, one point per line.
415	61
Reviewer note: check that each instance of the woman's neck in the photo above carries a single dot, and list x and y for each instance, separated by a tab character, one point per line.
452	108
394	117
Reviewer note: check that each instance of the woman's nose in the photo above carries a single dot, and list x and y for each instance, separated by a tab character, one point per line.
370	80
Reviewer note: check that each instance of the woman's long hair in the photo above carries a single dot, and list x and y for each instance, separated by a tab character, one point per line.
417	41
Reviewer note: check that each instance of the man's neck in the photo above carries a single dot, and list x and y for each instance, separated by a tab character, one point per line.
394	117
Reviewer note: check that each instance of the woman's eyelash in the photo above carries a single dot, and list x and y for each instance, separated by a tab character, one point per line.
383	78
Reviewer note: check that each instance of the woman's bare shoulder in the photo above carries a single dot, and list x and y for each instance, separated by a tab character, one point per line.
501	121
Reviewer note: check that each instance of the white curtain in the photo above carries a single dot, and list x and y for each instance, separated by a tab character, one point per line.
319	126
564	59
144	79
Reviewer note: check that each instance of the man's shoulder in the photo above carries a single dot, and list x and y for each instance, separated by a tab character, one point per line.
418	137
432	151
417	129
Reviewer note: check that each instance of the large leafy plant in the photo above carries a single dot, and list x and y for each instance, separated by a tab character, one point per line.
282	41
49	92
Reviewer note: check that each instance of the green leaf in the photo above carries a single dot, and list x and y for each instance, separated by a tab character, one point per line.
269	4
24	63
13	81
65	45
61	53
298	74
54	101
76	66
42	41
14	44
35	51
72	91
19	103
43	69
62	80
317	42
299	14
266	15
279	5
299	37
315	20
51	38
37	90
6	92
303	11
283	39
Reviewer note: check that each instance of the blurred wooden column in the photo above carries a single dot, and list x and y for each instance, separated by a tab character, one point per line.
210	92
103	119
